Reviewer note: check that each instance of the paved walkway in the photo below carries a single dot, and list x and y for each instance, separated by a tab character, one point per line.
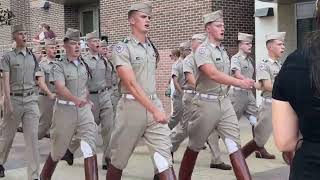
140	165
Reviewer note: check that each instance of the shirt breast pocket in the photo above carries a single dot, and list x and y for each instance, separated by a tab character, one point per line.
219	65
137	60
16	72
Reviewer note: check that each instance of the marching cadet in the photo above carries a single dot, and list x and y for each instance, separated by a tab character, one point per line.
178	79
99	93
106	52
267	70
139	112
47	94
243	101
211	107
20	73
180	131
115	95
72	115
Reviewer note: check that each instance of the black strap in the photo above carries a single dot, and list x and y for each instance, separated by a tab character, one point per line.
36	63
87	68
155	50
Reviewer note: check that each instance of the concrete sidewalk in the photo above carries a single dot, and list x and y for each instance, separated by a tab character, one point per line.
140	165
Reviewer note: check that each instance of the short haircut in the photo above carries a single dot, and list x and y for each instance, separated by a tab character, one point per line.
269	41
130	13
175	52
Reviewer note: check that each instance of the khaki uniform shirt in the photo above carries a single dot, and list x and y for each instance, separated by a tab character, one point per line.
22	69
189	66
177	70
98	70
46	66
74	76
268	70
141	58
208	53
242	63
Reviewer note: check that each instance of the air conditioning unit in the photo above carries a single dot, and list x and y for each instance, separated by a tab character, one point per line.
44	4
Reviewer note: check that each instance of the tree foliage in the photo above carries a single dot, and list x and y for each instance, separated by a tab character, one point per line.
6	16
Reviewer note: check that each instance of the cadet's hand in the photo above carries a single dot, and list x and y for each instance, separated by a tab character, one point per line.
80	102
52	96
160	117
8	108
258	86
247	83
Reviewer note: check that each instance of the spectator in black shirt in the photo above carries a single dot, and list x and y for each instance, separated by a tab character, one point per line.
296	108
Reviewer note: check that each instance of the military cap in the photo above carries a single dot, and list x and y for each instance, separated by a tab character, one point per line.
245	37
185	45
18	27
103	43
144	7
50	42
92	35
72	34
216	16
278	36
200	37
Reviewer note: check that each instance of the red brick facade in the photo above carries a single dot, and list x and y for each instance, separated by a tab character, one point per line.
174	22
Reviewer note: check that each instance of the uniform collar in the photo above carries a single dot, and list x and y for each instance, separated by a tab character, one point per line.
242	54
95	57
214	46
22	51
136	41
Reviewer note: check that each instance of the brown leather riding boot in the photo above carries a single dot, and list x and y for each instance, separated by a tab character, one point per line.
187	164
249	148
263	154
48	168
113	173
91	168
166	175
288	157
239	165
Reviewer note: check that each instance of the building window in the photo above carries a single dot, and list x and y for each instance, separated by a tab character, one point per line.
305	15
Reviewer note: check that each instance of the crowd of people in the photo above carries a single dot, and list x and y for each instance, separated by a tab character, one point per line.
115	87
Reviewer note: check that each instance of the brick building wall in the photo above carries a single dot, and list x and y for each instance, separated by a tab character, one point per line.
5	31
54	17
174	22
238	17
71	17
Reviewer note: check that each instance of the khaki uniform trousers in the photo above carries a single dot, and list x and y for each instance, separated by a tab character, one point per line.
115	97
180	132
209	116
244	103
46	111
177	113
71	122
103	114
133	123
263	129
25	111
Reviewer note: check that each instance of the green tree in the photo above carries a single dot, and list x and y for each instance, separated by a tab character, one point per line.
6	16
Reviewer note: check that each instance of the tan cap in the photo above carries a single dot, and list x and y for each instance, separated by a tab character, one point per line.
18	27
50	42
216	16
199	37
185	45
245	37
92	35
72	34
145	7
278	36
103	43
